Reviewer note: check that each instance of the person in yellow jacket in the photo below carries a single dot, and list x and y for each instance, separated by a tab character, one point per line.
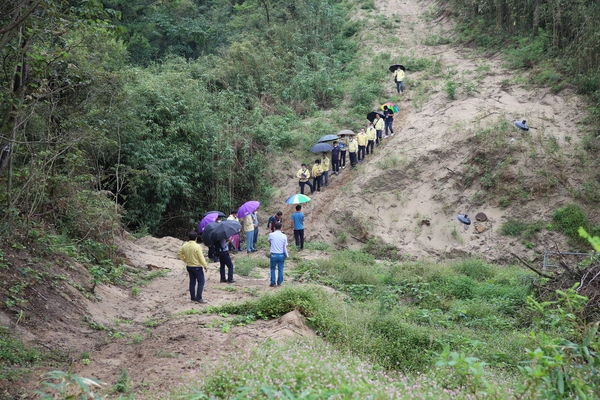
191	254
371	136
325	169
316	173
399	79
379	124
303	175
362	140
352	150
248	227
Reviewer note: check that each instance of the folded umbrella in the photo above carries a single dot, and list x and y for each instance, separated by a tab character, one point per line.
220	230
321	147
371	115
328	138
207	220
298	199
247	208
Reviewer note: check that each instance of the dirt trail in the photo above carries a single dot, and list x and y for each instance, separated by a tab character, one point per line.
413	176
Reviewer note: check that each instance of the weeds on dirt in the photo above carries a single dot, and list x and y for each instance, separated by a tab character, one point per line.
65	385
517	227
569	219
16	357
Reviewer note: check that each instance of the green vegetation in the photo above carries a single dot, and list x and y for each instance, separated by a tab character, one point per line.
517	227
16	357
569	219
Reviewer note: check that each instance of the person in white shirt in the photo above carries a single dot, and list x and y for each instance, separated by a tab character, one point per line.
279	252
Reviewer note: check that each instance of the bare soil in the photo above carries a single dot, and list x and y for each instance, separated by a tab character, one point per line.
415	175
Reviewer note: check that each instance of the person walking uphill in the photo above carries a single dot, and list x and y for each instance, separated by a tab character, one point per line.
389	120
298	224
303	175
279	252
379	124
316	173
191	254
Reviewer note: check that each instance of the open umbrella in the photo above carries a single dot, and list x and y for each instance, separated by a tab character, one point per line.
221	214
321	147
391	106
394	67
371	115
328	138
247	208
219	231
522	125
207	220
297	199
347	132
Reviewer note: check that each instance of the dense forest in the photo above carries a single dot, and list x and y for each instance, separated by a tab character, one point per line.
151	112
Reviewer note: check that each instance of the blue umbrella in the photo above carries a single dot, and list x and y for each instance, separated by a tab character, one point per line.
328	138
321	147
521	125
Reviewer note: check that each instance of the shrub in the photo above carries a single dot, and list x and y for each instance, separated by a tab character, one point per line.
474	268
568	219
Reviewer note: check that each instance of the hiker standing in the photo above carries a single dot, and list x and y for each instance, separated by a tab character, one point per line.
222	249
361	140
335	158
279	252
379	124
325	169
371	136
316	173
234	239
303	175
352	150
343	149
298	225
191	254
255	221
248	226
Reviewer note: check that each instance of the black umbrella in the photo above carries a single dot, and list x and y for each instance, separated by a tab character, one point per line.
371	115
221	214
394	67
321	147
219	231
328	138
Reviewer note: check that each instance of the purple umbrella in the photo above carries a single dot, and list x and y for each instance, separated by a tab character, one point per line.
207	220
247	208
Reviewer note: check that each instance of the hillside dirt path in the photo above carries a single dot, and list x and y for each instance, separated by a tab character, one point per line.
412	177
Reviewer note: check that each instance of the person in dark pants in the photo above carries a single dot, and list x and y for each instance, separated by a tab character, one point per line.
335	158
222	247
362	141
191	254
316	173
279	252
371	137
343	149
298	225
303	175
352	151
389	120
379	124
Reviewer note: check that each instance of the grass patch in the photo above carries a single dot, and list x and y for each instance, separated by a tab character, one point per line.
515	227
16	357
